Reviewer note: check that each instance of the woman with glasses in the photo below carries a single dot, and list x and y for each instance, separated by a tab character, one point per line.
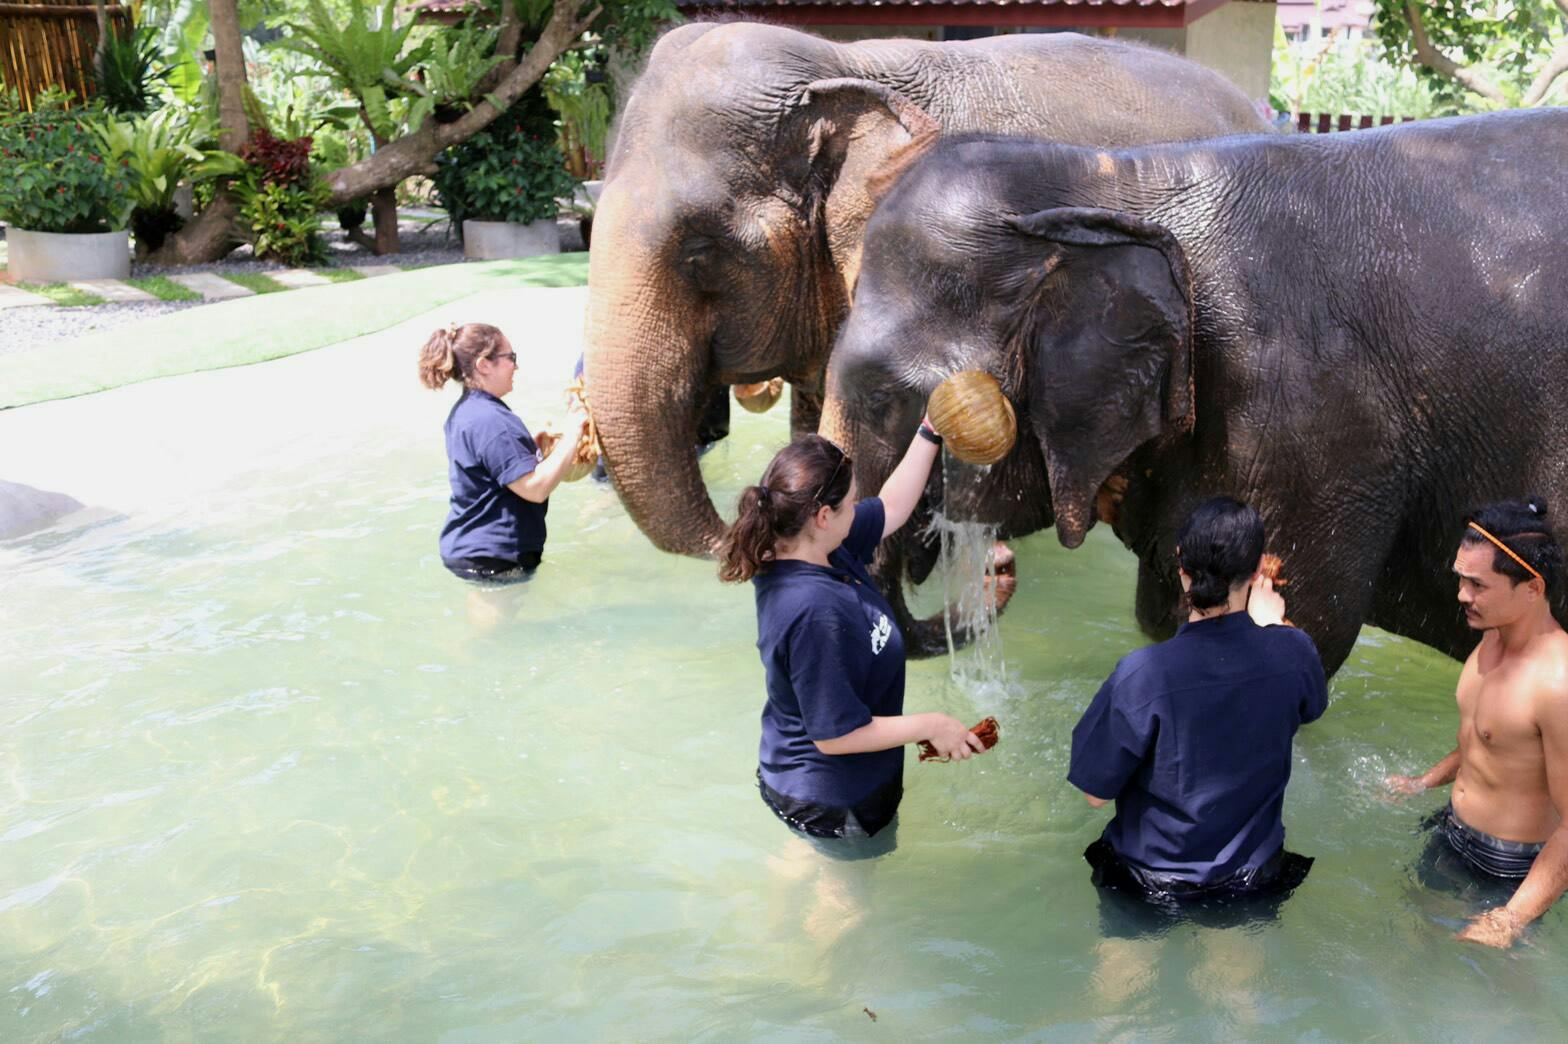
495	530
834	727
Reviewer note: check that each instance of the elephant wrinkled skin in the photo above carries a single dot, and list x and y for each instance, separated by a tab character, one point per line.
729	227
1360	334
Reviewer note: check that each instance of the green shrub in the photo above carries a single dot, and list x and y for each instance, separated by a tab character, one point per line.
281	199
56	178
510	171
285	222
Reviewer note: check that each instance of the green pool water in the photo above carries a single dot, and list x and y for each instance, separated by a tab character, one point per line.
268	772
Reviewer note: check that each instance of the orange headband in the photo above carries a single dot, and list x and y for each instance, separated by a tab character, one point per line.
1510	552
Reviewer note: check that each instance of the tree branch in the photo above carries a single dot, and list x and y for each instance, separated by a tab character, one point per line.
1439	62
1555	66
415	153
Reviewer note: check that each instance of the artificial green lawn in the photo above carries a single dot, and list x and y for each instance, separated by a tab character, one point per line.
164	288
255	282
63	294
254	329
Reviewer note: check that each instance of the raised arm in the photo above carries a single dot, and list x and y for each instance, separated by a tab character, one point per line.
1548	877
901	492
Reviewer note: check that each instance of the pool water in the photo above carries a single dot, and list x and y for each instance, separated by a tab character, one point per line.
267	771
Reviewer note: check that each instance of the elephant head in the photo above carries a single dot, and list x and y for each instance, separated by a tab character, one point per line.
1084	315
726	233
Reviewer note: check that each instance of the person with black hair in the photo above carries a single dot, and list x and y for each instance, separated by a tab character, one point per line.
831	760
1192	737
1505	816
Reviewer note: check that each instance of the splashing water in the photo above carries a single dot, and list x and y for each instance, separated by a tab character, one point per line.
974	642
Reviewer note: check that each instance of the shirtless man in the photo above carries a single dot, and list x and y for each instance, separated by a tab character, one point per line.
1505	816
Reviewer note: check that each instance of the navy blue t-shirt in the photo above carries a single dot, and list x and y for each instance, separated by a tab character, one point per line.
488	446
833	658
1192	737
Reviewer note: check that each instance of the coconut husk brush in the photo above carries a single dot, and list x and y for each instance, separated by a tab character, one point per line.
987	731
1270	565
974	418
588	450
759	397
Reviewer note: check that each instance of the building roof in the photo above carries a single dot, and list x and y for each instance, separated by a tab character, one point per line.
996	13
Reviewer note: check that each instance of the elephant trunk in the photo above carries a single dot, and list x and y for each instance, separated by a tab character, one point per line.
646	388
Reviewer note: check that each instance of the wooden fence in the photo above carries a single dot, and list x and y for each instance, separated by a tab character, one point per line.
46	43
1324	123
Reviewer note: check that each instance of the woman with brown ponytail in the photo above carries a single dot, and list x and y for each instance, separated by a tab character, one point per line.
834	727
495	531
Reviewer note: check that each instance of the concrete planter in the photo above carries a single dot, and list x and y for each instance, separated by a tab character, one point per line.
59	257
497	239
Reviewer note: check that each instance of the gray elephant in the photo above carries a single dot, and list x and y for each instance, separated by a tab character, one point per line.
1361	334
738	186
24	509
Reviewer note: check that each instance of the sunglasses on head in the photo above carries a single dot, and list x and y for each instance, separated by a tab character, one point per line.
832	475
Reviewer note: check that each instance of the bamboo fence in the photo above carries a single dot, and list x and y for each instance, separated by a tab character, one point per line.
47	43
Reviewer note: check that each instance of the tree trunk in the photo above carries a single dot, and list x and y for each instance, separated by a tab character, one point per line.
207	237
383	210
215	231
230	61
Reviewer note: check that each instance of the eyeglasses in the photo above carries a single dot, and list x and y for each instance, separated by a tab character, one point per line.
498	356
842	457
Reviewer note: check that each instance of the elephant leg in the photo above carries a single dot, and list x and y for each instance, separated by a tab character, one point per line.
714	425
805	410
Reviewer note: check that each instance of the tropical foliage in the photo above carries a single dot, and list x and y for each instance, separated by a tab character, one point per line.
157	152
365	55
1479	53
131	74
281	199
510	171
1341	75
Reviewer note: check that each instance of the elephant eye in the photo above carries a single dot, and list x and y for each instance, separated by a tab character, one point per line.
699	262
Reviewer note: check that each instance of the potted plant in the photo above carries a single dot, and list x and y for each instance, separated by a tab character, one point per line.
502	186
65	206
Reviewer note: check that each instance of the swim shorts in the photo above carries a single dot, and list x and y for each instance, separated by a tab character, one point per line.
494	571
1482	852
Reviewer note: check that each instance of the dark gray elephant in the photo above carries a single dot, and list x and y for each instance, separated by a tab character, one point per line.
729	227
1361	334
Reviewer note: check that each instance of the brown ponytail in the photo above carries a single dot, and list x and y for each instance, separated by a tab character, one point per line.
803	476
450	354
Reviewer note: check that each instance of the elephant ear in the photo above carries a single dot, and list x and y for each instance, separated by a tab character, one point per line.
858	135
1107	349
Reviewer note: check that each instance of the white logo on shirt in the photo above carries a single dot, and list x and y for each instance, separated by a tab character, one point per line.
880	634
